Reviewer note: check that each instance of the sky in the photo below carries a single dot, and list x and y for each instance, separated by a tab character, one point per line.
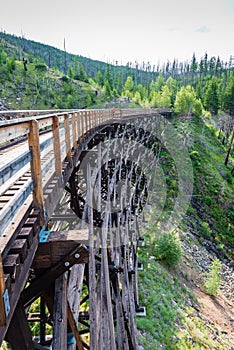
152	31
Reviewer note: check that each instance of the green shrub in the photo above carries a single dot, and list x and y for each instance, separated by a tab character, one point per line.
41	67
212	281
205	230
168	249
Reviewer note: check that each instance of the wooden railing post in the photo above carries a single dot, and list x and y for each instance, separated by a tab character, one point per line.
78	121
2	290
90	121
34	147
74	133
57	148
67	139
86	121
82	122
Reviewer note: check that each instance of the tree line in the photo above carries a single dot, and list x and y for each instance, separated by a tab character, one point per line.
187	87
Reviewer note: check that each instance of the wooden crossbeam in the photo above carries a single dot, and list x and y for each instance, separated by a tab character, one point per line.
19	334
58	245
74	328
79	255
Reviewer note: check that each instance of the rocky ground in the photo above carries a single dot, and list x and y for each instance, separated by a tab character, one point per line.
217	312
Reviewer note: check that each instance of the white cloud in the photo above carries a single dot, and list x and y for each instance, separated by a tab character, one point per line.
202	29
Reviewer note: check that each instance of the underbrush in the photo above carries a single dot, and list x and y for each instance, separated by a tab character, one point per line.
172	321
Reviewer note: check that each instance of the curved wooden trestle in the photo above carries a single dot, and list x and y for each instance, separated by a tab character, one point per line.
74	243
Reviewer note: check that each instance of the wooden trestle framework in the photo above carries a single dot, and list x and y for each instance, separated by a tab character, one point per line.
75	246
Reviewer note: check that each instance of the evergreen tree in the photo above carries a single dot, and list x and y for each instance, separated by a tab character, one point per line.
173	87
71	72
211	98
194	64
109	77
119	82
82	76
108	91
229	96
99	78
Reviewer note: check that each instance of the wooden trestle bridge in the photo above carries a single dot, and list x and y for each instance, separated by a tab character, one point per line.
73	187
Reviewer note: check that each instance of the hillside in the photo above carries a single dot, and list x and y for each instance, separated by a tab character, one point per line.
180	313
35	75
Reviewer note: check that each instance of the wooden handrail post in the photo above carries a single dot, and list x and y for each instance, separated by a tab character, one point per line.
74	133
67	139
86	121
57	148
95	119
36	173
89	119
78	125
2	290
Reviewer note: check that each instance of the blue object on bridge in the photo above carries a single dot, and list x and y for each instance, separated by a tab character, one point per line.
6	302
70	339
43	235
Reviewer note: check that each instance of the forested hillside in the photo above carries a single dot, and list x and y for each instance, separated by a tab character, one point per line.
181	312
35	75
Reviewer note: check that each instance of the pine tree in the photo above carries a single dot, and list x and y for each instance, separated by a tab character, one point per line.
211	98
229	96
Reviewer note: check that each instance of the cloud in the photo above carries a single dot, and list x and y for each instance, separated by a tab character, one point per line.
202	29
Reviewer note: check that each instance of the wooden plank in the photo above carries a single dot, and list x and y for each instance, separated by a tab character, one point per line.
57	147
75	288
12	230
10	132
92	270
19	285
60	314
2	289
74	293
68	139
34	146
74	328
74	133
18	334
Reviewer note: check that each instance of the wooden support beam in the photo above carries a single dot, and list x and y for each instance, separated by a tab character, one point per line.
19	285
74	328
74	292
60	314
19	334
68	139
74	133
75	288
79	255
2	290
57	147
58	245
34	146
